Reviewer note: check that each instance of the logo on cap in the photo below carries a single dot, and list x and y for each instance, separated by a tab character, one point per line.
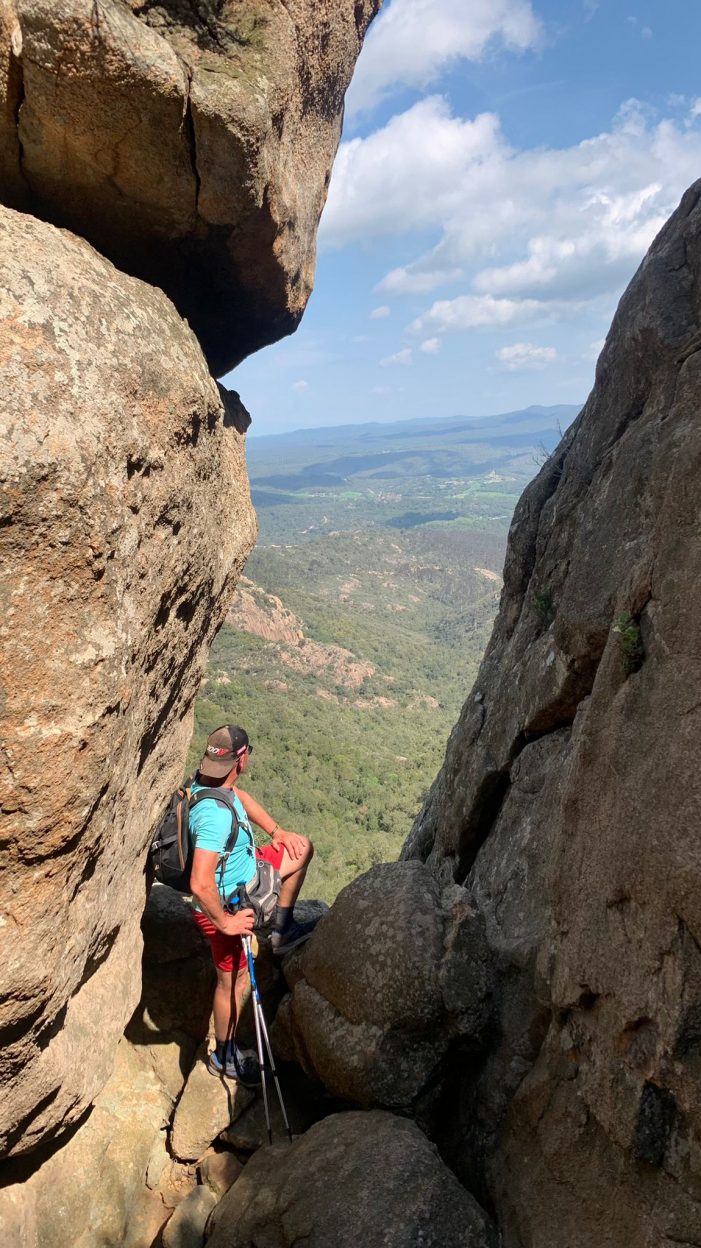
217	750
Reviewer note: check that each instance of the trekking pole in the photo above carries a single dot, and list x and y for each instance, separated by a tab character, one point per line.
262	1034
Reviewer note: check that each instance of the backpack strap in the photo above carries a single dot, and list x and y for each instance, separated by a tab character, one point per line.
218	796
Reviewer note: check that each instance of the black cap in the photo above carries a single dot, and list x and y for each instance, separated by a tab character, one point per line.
223	747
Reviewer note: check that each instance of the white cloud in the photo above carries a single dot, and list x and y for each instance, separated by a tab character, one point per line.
379	314
556	226
300	387
474	312
431	346
412	41
524	355
401	357
407	176
404	282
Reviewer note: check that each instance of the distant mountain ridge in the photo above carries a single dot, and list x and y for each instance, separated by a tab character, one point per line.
418	426
404	455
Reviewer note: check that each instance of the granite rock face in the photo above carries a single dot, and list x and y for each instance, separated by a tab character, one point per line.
394	974
119	457
207	1107
92	1190
355	1178
570	802
191	143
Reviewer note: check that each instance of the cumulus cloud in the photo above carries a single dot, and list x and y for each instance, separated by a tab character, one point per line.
400	357
474	312
524	355
413	41
300	386
431	346
407	176
379	314
549	226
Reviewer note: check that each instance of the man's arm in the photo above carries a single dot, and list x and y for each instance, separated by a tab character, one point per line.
291	841
204	888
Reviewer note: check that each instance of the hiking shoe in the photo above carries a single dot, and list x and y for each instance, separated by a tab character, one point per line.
248	1069
296	934
242	1069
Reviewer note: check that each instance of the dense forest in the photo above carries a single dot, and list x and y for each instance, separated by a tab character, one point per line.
359	627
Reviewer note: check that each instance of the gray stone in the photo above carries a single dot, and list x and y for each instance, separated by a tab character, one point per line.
355	1178
249	1132
185	1228
218	1170
570	800
169	931
206	1108
394	973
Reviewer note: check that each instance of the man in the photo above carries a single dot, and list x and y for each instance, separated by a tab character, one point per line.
224	761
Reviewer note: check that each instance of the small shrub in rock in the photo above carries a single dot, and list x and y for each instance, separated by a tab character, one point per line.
543	607
630	641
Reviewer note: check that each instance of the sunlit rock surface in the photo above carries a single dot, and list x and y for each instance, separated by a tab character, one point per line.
125	519
190	143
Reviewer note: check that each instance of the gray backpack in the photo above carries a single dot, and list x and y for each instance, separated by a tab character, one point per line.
259	895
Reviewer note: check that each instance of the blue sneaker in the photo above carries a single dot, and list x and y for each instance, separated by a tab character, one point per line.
242	1068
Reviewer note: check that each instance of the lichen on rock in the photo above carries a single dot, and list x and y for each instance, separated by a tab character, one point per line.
394	974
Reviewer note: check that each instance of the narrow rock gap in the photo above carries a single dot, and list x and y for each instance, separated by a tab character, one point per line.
20	98
188	127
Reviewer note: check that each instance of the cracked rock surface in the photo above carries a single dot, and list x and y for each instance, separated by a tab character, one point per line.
570	803
191	141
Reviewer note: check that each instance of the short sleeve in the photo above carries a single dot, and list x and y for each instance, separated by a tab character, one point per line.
210	826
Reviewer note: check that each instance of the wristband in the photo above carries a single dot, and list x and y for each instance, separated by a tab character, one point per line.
273	830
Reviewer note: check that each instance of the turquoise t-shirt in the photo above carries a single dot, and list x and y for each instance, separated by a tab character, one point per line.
210	825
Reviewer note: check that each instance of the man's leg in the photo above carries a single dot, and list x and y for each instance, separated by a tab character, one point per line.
229	996
293	871
286	933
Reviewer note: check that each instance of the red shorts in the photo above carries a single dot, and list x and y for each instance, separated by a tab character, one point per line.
227	951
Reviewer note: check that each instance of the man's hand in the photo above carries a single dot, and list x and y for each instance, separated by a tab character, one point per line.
291	841
239	924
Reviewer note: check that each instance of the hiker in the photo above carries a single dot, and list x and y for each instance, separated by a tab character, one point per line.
224	761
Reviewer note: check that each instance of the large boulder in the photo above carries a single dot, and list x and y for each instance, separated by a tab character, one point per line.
191	143
355	1178
570	801
125	518
394	974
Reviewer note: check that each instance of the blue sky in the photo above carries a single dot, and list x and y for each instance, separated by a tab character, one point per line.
503	169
